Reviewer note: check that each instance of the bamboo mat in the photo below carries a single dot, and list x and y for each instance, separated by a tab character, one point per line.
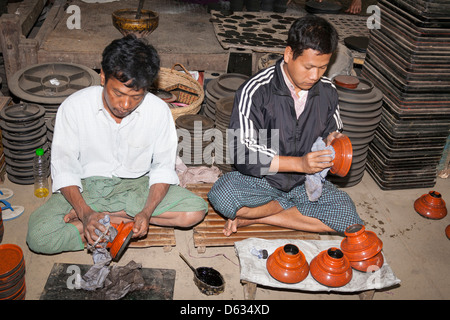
209	232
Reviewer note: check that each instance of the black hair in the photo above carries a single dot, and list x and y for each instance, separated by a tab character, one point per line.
130	58
312	32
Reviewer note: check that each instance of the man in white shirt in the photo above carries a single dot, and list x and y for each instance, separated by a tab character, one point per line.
113	152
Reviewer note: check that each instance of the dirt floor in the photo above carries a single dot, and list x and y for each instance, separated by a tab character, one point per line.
416	249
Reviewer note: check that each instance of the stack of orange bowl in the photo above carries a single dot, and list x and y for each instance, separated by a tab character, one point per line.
12	273
2	228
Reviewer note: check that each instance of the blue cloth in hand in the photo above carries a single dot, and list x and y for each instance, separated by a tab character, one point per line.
314	182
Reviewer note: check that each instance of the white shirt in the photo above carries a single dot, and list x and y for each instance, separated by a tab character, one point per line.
88	142
300	99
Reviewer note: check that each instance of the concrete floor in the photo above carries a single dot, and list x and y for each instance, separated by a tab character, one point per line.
416	249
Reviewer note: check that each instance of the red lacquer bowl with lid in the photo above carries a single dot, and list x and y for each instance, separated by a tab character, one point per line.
360	244
343	156
431	205
369	265
288	264
331	268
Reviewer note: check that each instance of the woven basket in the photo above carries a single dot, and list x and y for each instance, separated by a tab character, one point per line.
168	78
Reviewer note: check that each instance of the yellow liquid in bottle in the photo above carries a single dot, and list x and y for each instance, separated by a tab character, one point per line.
41	192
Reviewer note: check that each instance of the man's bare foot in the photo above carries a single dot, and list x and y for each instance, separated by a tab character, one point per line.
119	216
230	227
71	217
355	7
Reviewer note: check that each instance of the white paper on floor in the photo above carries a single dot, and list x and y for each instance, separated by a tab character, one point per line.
254	269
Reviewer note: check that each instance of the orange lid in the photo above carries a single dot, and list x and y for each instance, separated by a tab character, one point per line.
343	156
345	81
11	257
120	242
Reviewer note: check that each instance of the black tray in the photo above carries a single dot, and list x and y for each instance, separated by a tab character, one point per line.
404	183
425	152
399	19
408	103
408	68
396	141
410	60
406	85
409	162
422	13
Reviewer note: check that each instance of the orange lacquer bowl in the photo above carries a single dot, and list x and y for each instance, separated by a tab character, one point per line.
360	244
431	205
331	268
12	272
121	241
369	265
288	264
343	156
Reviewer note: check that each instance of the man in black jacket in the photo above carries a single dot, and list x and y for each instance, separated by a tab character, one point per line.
277	116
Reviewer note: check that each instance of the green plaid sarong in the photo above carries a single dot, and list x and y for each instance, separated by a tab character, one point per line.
49	234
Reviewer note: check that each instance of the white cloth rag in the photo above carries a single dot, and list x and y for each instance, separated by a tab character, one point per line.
96	275
191	175
254	269
314	182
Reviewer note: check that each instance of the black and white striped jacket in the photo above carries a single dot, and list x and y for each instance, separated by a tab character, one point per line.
264	124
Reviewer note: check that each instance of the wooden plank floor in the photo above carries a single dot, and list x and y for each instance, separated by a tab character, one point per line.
209	232
156	237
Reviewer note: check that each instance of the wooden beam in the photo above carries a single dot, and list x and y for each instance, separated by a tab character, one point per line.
54	15
28	52
10	35
28	12
249	290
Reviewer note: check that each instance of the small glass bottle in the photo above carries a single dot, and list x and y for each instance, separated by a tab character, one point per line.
40	173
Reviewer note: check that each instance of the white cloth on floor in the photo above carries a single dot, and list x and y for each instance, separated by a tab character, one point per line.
200	174
254	269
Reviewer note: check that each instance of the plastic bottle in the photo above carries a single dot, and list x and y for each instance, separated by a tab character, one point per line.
40	173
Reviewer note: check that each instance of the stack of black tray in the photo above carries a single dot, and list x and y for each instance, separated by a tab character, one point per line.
408	59
360	110
222	87
224	107
193	141
23	131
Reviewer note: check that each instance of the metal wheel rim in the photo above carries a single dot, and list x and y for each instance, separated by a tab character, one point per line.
34	84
